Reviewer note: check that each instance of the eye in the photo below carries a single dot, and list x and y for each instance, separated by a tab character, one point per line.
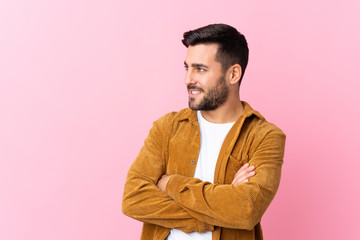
201	69
186	68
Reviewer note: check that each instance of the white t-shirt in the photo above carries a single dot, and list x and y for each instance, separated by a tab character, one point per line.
212	136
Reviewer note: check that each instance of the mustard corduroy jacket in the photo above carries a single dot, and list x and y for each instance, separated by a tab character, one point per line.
189	204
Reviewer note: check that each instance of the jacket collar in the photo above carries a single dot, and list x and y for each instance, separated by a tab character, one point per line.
191	116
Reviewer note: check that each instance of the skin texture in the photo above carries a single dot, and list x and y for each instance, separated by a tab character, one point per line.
215	93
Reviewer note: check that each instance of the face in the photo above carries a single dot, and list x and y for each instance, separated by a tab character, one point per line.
206	83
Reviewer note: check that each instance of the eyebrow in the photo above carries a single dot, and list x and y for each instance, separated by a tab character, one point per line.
197	65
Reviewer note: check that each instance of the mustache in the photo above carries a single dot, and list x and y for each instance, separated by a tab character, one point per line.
194	88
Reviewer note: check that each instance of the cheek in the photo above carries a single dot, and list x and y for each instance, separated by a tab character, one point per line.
210	80
206	78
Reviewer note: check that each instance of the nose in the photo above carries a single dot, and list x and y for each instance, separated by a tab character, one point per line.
189	78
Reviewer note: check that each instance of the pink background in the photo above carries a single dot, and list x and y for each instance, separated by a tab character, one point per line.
82	81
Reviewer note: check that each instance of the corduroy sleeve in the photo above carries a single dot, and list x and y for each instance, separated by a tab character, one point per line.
143	200
234	206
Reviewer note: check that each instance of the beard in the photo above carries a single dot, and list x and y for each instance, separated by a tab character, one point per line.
213	98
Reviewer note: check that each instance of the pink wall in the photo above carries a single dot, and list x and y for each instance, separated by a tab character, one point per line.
82	81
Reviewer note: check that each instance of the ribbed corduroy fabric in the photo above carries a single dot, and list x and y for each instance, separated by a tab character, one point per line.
231	212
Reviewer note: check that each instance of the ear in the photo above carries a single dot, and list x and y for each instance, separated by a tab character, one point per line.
234	74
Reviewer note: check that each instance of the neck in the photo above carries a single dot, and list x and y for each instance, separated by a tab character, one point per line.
226	113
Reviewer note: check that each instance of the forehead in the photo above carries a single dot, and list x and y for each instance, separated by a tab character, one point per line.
201	53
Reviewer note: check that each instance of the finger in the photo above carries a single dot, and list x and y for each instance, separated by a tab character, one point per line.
244	169
241	173
244	166
239	181
242	178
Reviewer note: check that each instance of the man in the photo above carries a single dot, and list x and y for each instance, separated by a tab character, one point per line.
211	170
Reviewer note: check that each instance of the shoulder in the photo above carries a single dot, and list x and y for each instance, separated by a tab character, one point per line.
258	129
263	127
260	132
257	122
267	135
183	114
174	117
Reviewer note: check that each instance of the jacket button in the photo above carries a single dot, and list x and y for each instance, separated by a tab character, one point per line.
197	132
206	227
192	161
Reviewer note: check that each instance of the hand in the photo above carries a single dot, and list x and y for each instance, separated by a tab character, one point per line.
243	174
163	181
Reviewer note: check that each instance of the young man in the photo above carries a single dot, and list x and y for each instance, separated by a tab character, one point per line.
208	171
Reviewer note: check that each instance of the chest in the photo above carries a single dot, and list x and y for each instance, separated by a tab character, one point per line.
184	148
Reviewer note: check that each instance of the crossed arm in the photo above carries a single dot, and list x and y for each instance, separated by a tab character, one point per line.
192	205
160	209
241	176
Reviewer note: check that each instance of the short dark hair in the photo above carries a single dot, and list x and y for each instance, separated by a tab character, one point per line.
232	45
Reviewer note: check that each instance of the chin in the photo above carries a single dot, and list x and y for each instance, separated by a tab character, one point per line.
192	107
192	104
